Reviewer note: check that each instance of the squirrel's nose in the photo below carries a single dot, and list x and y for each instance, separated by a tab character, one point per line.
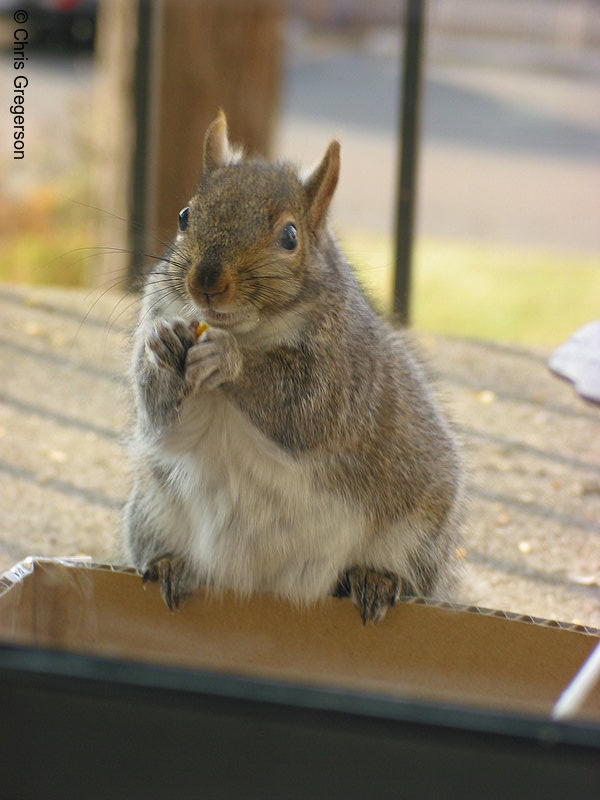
208	277
209	272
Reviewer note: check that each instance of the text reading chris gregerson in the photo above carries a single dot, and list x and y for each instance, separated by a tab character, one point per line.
20	83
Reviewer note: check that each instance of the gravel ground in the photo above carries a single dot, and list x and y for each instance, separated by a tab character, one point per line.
532	531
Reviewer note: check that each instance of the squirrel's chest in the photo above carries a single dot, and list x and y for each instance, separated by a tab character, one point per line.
221	451
254	516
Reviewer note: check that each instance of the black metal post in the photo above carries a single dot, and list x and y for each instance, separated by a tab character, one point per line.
141	101
414	26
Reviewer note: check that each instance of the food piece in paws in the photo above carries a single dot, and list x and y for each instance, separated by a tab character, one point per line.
198	328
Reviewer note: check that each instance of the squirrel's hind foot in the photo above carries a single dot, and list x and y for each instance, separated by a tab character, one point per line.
173	577
371	591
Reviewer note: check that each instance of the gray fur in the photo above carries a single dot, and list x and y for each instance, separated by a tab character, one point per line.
296	444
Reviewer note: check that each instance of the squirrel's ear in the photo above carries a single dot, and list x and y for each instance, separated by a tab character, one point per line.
217	150
320	185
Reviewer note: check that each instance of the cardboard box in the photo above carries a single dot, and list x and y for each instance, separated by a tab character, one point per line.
256	698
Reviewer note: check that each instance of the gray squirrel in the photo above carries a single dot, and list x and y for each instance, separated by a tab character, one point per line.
294	447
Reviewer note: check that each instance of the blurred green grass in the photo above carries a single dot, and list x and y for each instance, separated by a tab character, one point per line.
500	293
467	289
45	239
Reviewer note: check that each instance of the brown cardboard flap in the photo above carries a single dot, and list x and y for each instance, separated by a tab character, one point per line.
433	652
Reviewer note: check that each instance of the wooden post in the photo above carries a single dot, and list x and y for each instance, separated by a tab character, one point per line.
113	140
210	54
414	25
188	59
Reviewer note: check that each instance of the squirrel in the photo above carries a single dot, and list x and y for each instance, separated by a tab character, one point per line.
295	447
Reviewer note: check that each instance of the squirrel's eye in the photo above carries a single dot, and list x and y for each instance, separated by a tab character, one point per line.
288	237
183	218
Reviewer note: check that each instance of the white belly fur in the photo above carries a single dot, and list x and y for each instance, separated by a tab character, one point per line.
248	514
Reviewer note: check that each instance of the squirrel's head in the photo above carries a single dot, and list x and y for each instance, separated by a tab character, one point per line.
246	241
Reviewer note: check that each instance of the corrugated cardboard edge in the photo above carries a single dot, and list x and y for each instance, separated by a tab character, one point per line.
17	573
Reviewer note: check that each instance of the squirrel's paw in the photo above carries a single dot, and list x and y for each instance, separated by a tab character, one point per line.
214	360
372	592
168	343
175	579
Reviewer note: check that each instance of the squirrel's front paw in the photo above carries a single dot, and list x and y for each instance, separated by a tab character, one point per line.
372	592
168	343
214	360
175	580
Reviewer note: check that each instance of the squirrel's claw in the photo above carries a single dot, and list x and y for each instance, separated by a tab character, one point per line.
372	592
173	578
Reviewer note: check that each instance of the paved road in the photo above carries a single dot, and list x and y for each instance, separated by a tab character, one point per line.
511	138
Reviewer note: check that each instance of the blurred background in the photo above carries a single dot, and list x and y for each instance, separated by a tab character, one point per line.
507	233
